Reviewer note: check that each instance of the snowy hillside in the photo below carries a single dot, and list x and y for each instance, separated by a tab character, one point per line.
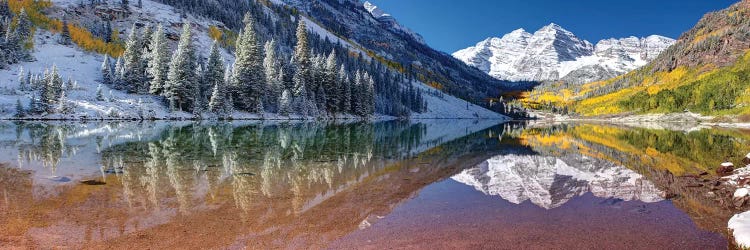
85	69
553	53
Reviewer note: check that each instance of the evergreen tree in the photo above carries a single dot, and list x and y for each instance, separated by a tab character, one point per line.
346	91
117	80
273	82
62	104
51	90
99	94
330	84
20	112
22	36
132	71
357	104
248	76
302	74
180	86
148	33
159	61
214	76
285	102
106	70
22	83
369	95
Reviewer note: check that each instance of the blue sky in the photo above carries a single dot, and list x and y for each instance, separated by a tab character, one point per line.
450	25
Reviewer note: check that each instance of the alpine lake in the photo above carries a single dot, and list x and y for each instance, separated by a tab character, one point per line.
439	184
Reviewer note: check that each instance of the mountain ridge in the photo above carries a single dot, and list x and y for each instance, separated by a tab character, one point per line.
553	53
705	71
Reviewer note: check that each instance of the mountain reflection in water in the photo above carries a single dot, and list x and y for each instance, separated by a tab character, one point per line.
549	182
302	185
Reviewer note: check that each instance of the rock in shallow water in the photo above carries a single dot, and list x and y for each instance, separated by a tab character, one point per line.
93	182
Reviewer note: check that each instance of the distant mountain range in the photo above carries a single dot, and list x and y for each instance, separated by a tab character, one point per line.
706	71
553	53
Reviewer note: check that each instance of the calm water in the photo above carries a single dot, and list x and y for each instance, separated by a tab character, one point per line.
433	184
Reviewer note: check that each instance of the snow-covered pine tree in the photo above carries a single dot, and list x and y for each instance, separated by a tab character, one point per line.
106	70
273	83
214	76
62	103
117	81
345	104
20	112
248	75
302	72
132	71
330	84
51	90
357	96
65	34
147	50
99	93
29	81
159	61
285	102
22	83
179	88
318	78
200	102
24	36
369	95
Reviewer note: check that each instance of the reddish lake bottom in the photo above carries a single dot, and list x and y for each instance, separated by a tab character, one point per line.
450	215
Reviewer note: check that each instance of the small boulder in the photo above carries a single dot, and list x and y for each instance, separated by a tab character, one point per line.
93	182
746	161
741	192
726	168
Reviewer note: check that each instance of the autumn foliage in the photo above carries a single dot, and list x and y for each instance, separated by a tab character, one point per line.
80	35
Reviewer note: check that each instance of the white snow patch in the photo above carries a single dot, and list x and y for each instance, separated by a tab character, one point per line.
739	225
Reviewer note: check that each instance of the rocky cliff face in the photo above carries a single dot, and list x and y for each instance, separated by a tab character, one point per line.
553	53
550	182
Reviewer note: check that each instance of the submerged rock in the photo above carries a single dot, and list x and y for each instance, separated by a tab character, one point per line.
93	182
58	178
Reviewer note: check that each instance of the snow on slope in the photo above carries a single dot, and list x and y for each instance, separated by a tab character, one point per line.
553	53
83	67
448	106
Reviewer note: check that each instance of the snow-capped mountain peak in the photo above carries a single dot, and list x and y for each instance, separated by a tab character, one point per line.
375	11
554	53
386	18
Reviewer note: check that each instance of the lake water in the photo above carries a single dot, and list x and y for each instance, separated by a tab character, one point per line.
420	184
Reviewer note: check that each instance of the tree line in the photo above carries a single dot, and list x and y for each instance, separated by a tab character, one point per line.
16	36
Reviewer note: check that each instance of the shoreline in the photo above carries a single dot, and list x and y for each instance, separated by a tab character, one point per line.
686	119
